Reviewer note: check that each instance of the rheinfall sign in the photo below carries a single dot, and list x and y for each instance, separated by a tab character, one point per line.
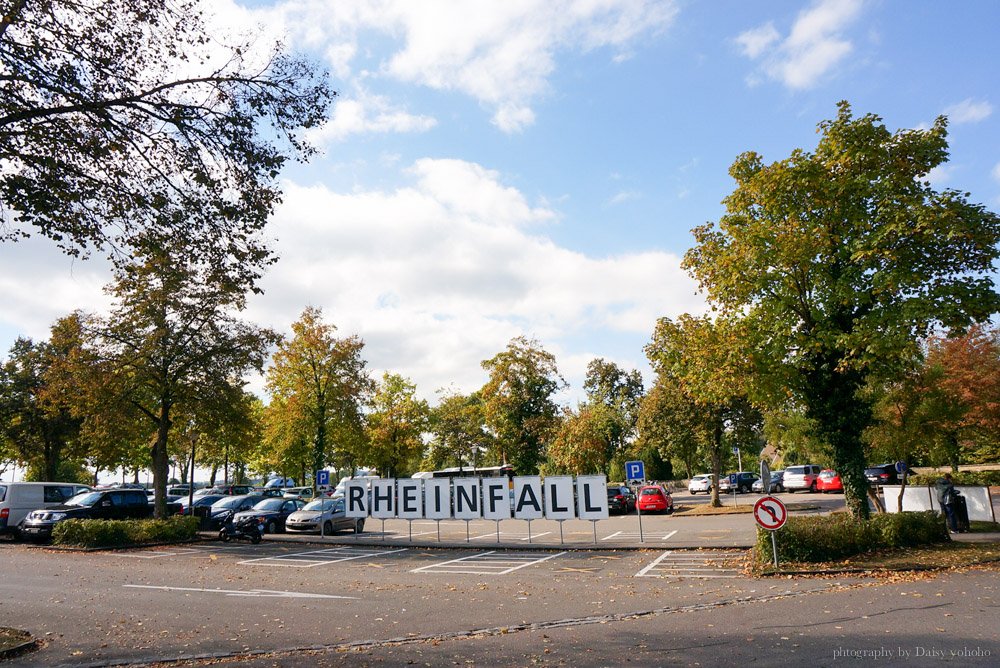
479	498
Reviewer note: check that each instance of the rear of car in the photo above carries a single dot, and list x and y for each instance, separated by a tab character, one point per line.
883	474
829	481
620	499
654	499
744	481
801	478
700	483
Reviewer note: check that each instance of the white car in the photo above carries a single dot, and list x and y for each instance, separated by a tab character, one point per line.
701	483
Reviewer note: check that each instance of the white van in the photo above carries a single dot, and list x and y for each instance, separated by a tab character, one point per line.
17	499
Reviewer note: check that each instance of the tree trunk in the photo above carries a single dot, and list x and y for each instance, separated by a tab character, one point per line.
161	462
716	464
841	416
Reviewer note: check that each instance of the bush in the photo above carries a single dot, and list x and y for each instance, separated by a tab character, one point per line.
119	533
985	478
831	537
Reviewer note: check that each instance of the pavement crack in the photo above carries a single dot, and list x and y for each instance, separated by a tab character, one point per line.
867	615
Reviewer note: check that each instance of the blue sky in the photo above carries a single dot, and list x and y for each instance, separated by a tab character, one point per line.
496	168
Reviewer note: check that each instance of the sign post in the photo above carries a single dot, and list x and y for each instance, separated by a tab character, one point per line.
765	477
636	471
770	514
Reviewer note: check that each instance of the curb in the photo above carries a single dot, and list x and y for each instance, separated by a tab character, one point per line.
29	644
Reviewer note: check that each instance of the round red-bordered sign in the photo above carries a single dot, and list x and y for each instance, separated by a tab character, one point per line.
770	513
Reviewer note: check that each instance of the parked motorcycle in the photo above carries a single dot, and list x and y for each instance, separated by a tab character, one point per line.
248	528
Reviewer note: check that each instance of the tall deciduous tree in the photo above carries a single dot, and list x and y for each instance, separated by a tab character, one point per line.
708	362
518	402
173	343
37	419
586	440
396	425
118	114
321	385
458	432
840	261
673	425
621	392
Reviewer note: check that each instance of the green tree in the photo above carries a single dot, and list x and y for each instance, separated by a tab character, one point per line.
458	432
173	346
840	261
396	425
127	119
518	402
37	421
320	384
708	361
586	440
672	425
621	392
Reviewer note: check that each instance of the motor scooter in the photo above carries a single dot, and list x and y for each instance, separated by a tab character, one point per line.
249	528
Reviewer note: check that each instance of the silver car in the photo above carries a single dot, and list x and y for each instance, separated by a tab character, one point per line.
323	514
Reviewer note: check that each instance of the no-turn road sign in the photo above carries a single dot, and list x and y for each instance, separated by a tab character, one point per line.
770	513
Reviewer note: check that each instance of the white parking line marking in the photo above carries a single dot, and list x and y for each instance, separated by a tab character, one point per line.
486	563
617	533
691	565
254	593
669	535
535	535
407	536
157	554
318	557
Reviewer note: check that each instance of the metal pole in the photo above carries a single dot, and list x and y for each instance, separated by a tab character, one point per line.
595	531
774	546
639	513
529	532
561	533
498	532
410	524
383	529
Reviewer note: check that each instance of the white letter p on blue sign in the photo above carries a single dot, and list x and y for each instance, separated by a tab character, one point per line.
635	471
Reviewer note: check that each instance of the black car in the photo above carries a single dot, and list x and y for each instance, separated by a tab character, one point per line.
223	509
621	499
111	504
203	501
271	513
883	474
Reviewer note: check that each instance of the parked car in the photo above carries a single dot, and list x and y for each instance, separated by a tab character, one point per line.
280	482
179	490
231	490
654	499
269	492
325	514
744	482
700	483
110	504
776	483
224	509
801	478
17	499
203	501
621	499
883	474
829	481
272	513
304	493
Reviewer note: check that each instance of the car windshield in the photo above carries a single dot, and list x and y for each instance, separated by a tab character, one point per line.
206	500
84	499
270	504
320	504
650	492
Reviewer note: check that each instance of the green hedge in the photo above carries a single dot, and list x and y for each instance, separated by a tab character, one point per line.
819	538
988	478
117	533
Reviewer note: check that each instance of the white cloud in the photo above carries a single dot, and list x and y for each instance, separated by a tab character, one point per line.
499	53
968	111
940	175
364	114
440	274
756	41
815	45
996	172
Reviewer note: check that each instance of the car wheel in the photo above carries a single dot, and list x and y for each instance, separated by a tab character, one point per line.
271	527
328	527
254	537
359	526
812	488
224	536
670	511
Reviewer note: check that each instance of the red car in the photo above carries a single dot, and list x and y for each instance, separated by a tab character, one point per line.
654	499
829	481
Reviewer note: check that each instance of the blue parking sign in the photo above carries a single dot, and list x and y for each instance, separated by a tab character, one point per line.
635	471
322	478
